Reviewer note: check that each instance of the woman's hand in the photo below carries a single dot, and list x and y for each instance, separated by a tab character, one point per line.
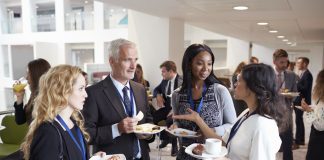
193	116
305	106
20	96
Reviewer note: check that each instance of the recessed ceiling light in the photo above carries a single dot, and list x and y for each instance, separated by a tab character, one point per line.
285	40
289	43
240	8
280	36
85	2
124	10
262	23
112	10
273	31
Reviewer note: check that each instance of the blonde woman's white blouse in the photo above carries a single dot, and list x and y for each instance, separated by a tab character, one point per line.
317	116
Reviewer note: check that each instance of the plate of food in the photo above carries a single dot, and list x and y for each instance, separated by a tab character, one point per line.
181	132
197	150
148	128
290	94
109	157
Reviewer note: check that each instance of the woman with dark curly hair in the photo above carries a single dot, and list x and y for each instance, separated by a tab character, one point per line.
255	135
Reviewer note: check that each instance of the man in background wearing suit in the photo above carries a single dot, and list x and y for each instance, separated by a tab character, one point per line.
304	87
112	104
286	80
162	93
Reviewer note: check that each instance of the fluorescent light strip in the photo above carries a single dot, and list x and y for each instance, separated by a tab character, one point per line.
240	8
262	23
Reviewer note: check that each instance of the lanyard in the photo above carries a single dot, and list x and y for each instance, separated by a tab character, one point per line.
131	112
192	105
237	125
82	149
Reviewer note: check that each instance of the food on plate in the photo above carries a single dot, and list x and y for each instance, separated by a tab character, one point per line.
147	128
114	157
285	90
198	150
156	128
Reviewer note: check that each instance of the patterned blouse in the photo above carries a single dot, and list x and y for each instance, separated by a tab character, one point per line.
217	111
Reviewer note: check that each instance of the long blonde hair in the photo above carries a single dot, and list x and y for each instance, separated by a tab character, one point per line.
318	92
54	89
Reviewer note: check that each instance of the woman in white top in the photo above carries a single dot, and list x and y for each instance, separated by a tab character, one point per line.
255	135
316	116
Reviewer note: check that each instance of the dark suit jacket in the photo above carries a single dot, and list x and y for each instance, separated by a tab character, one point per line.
304	86
103	108
161	88
46	144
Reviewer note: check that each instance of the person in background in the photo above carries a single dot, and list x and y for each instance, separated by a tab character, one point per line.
316	115
201	94
257	130
113	103
291	66
139	77
57	130
239	105
171	81
35	69
254	60
285	80
304	87
23	113
85	75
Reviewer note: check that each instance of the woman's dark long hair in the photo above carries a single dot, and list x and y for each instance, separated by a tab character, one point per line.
36	69
191	52
261	79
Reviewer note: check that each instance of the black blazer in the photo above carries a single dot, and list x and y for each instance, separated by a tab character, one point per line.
103	108
304	86
161	88
46	144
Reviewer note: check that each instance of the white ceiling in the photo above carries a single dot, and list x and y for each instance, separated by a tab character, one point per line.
300	21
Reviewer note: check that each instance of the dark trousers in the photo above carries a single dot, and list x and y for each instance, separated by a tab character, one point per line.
300	128
315	145
287	139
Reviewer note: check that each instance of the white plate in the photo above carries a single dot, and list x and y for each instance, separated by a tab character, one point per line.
121	157
146	128
181	132
291	94
205	155
2	127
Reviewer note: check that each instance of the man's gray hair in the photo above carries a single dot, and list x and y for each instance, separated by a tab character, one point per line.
116	44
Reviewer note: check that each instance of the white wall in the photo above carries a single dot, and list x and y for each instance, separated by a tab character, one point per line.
151	35
21	55
237	50
264	54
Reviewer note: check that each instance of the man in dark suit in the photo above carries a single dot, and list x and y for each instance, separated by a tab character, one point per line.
286	80
112	104
304	87
162	93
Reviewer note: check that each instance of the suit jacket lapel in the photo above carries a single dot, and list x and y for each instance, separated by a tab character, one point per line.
112	94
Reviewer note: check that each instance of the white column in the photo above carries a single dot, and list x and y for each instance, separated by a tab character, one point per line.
176	42
98	15
29	17
3	18
99	49
59	15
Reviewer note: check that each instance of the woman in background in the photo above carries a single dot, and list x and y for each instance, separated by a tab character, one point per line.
316	116
139	77
35	69
57	131
255	135
201	93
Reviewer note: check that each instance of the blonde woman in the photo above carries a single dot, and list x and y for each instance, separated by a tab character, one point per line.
316	115
57	131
